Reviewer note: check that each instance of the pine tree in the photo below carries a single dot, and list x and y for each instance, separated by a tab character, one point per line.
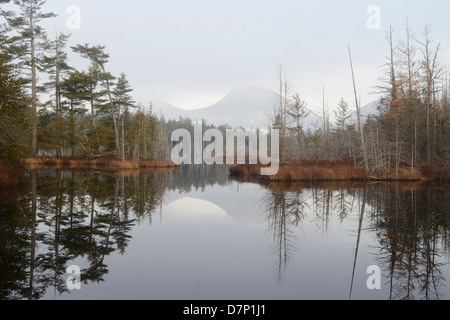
82	87
122	102
342	114
28	42
56	65
297	112
14	111
75	89
97	55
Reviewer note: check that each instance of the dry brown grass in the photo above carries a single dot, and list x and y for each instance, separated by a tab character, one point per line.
407	175
157	164
108	162
306	171
127	165
32	161
339	171
434	172
290	186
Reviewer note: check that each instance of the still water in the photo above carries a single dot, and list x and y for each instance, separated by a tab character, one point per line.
195	234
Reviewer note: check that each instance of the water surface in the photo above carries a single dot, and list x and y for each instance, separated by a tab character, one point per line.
196	234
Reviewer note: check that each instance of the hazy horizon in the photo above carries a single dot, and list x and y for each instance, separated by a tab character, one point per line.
192	54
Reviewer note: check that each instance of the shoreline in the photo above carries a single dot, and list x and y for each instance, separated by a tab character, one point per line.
339	171
14	175
100	164
303	171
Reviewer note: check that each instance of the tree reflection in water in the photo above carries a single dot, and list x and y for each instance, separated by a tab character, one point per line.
412	228
285	211
66	216
411	224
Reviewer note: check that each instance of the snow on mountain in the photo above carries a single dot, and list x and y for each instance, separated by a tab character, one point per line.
247	106
365	111
168	110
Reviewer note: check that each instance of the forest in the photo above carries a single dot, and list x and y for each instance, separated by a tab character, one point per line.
408	138
50	108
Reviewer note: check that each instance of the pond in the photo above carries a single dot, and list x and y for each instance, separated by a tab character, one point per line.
196	234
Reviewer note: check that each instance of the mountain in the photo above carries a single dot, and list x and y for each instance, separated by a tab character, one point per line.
168	110
365	111
247	106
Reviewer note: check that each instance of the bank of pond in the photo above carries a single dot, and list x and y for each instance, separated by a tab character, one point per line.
317	170
322	170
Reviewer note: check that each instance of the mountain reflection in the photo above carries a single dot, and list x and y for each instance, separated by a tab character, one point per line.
83	218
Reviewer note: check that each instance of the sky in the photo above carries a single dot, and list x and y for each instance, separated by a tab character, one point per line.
193	53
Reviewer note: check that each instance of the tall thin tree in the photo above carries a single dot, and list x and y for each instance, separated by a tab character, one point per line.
358	111
28	42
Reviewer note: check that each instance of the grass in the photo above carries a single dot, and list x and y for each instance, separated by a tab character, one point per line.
306	171
322	170
109	162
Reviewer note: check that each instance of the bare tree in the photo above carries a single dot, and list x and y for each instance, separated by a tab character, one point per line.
431	72
326	124
361	131
282	97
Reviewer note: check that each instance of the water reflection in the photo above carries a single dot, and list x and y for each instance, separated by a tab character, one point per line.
66	216
412	231
83	218
410	224
285	212
79	216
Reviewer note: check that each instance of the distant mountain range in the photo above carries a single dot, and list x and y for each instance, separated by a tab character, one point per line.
365	111
247	106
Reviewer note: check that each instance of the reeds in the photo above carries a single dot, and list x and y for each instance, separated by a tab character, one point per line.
107	162
306	171
322	170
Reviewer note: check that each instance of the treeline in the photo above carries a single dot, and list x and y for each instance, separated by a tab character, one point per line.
61	110
412	126
48	107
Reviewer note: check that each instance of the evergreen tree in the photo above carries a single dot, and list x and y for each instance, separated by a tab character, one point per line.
122	99
98	57
28	42
297	112
56	65
342	114
14	112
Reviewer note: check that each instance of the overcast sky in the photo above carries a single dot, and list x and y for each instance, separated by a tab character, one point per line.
192	53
